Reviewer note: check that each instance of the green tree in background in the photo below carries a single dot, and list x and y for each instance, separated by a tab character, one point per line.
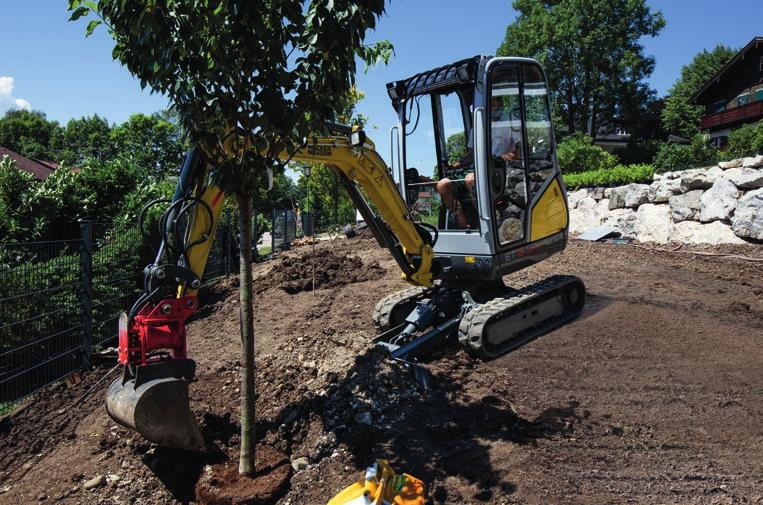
248	79
85	138
152	142
28	133
680	116
592	53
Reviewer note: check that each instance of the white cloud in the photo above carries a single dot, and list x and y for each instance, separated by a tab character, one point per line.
7	100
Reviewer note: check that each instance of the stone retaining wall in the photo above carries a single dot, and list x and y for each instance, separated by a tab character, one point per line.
722	204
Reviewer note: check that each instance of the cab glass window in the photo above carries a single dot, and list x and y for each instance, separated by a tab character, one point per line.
506	164
540	166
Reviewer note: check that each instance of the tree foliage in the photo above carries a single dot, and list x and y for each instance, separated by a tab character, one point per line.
576	153
698	153
152	142
592	53
680	116
269	72
28	133
745	141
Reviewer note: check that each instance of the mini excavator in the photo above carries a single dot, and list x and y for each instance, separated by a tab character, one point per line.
473	193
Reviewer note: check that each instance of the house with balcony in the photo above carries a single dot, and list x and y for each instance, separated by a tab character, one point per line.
733	96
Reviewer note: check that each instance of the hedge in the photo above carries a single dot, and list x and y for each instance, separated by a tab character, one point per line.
617	176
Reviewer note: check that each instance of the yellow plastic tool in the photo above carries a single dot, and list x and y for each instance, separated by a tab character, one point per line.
382	486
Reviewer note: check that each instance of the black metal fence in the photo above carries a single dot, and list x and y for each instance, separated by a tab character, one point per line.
61	300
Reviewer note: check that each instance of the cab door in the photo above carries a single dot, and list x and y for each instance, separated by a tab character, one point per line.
525	185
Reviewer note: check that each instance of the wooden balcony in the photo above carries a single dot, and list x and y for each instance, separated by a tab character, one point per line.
745	113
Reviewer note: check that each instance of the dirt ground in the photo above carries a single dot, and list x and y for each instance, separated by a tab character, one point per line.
652	396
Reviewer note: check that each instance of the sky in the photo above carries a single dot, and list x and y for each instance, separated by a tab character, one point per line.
47	64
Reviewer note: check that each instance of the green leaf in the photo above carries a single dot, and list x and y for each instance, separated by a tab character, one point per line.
78	13
92	26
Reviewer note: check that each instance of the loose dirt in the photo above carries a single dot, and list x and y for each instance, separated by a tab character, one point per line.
323	269
651	396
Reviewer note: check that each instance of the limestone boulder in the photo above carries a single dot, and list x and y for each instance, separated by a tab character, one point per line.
575	196
745	178
660	191
685	207
602	209
753	162
725	165
692	232
584	216
748	217
624	220
630	196
653	223
596	193
702	178
718	202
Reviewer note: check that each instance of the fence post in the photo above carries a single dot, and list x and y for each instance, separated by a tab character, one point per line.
228	242
86	299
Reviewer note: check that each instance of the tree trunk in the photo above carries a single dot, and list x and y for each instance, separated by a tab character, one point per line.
246	314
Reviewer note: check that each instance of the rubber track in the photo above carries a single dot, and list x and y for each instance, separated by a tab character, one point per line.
471	327
385	306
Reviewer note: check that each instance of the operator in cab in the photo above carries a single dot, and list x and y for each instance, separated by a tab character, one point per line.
456	186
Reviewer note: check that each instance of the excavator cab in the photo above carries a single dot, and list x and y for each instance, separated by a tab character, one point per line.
476	158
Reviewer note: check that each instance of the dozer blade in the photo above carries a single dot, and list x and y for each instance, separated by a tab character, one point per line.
155	404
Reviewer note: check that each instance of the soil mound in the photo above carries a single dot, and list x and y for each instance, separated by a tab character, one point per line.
295	274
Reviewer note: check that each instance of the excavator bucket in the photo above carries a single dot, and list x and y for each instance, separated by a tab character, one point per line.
155	404
382	486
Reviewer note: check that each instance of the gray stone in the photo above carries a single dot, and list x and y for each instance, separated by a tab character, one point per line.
653	223
745	178
661	191
97	481
624	220
574	197
630	196
692	232
656	177
725	165
607	192
685	207
753	162
636	195
596	193
300	464
718	202
364	418
583	216
601	209
699	178
748	217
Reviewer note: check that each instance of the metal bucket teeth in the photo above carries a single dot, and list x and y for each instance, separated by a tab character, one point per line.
158	409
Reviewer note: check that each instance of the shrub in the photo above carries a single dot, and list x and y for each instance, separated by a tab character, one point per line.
619	175
745	141
577	153
698	153
638	151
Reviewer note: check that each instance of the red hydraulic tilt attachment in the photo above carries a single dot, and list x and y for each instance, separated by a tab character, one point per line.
155	328
152	397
